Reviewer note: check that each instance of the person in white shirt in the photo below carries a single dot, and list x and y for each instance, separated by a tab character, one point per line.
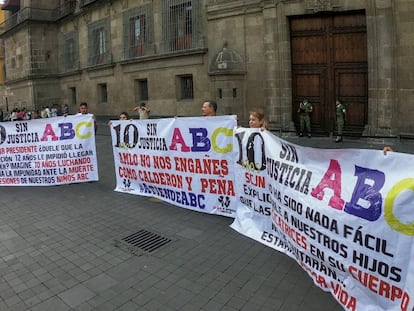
83	109
143	111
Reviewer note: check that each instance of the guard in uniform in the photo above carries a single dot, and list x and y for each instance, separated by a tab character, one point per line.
304	110
340	120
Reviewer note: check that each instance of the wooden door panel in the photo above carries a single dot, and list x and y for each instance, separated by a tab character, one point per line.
351	84
308	50
355	112
313	23
307	84
352	90
345	22
349	48
329	61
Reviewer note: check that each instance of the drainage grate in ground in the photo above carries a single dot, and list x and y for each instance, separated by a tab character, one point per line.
143	241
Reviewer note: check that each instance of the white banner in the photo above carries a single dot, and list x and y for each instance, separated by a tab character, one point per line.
47	152
184	161
346	216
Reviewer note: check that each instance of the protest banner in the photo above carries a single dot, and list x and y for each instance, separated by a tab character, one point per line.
47	152
184	161
345	216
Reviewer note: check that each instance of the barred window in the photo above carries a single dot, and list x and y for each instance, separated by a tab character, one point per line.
138	31
181	25
98	43
137	26
181	20
70	50
69	59
186	87
99	37
142	90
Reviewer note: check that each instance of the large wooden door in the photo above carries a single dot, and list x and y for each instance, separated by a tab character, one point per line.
329	61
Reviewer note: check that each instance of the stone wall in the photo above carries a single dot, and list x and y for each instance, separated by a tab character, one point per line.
257	30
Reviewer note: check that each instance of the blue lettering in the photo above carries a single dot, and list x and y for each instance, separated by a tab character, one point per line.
366	193
200	140
66	130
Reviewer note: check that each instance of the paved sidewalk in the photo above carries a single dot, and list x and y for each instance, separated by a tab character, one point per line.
59	251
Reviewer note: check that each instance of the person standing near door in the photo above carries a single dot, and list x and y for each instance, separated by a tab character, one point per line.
340	120
305	109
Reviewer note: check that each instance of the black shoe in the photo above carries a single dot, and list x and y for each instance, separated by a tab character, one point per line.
309	135
338	139
300	134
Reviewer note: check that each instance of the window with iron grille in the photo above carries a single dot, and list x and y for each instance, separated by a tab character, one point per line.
181	25
138	31
98	43
69	52
137	35
186	87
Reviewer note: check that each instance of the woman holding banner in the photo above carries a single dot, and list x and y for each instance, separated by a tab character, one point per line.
257	119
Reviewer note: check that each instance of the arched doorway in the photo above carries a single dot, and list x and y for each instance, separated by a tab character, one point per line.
329	61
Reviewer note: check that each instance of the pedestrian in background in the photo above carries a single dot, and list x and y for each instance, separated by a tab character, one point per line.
305	109
64	110
143	111
340	120
35	114
123	116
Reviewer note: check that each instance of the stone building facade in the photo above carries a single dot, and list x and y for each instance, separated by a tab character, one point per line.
173	54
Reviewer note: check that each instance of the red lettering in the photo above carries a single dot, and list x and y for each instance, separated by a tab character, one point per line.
379	286
49	132
331	180
177	139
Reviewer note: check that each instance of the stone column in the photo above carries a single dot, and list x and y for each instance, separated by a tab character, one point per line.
381	36
278	95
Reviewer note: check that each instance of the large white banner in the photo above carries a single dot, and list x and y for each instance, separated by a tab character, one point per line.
184	161
346	216
47	152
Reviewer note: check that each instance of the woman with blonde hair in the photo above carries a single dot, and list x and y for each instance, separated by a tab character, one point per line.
257	119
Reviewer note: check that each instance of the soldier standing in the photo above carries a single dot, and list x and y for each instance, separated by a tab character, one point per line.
340	120
305	108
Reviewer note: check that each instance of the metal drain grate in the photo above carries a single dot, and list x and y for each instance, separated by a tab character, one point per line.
146	241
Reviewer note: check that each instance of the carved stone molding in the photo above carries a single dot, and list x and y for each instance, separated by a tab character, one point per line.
321	5
87	17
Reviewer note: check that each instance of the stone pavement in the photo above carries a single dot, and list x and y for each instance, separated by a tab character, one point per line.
58	251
